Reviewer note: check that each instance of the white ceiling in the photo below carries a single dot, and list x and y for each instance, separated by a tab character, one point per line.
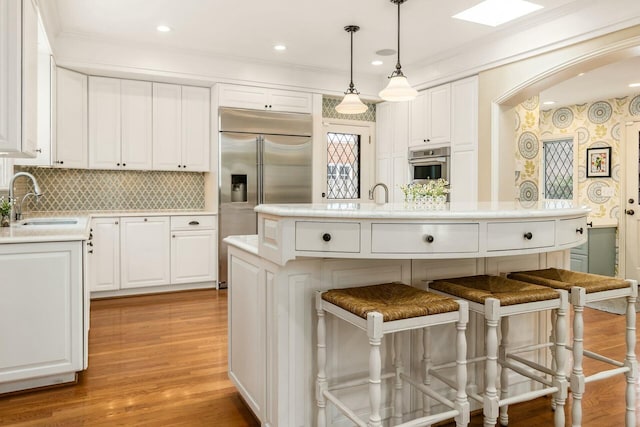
314	35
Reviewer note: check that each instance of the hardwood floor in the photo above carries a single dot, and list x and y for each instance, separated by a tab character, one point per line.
161	360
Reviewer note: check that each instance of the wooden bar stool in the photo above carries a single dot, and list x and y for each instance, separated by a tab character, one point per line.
498	298
586	288
379	310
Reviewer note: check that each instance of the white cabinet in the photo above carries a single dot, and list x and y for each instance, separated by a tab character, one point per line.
120	134
464	140
391	151
41	314
194	246
258	98
18	78
69	147
430	117
6	170
104	255
145	251
181	135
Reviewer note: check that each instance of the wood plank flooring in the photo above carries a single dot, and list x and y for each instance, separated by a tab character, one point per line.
161	360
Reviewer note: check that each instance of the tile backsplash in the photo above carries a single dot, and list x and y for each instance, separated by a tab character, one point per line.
329	110
104	190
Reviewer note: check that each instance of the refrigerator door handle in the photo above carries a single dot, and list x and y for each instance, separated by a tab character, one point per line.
260	142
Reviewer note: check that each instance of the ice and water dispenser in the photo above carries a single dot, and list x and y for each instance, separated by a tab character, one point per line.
238	188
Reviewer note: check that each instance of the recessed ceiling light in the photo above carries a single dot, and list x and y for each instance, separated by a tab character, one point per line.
634	85
279	47
163	28
386	52
497	12
581	74
376	62
548	102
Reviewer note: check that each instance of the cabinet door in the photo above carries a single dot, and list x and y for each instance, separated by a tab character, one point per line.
464	140
289	101
384	129
29	79
41	304
144	252
439	115
193	256
104	123
71	120
400	129
195	128
6	170
418	120
104	261
238	96
137	130
167	122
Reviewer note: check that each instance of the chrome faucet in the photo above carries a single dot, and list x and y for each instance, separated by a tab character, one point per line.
386	191
36	191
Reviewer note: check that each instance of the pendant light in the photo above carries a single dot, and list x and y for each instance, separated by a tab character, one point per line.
398	88
351	103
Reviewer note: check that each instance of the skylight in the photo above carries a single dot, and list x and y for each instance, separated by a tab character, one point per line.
497	12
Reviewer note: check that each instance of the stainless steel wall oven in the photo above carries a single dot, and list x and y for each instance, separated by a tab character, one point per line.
429	164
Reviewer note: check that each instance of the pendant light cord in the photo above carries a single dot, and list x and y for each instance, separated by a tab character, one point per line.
351	88
398	66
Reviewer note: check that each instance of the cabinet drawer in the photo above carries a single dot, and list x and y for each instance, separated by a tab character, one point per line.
572	230
424	238
502	236
193	222
327	236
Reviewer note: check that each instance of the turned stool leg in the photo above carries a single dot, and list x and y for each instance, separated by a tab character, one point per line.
426	365
374	331
321	381
490	410
462	403
504	372
397	363
630	359
560	360
578	299
552	339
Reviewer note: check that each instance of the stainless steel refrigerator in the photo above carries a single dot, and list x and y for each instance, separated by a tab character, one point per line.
265	157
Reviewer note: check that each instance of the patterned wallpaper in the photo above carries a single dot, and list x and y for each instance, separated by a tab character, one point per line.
329	111
595	124
89	190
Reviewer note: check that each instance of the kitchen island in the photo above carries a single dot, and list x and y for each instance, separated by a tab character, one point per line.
303	248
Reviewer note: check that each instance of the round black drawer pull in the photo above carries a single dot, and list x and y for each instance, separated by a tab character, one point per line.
528	235
580	230
326	237
428	238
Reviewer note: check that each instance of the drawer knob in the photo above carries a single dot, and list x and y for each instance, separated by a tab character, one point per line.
428	238
580	230
326	237
528	235
194	223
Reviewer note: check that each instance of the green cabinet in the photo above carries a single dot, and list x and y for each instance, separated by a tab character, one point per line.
598	254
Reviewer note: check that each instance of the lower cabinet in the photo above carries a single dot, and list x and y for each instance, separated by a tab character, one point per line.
133	253
41	314
598	254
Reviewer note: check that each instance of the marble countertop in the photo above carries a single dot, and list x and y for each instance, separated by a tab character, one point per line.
480	210
248	243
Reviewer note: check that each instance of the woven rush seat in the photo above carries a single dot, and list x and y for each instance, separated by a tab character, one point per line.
507	291
394	301
565	279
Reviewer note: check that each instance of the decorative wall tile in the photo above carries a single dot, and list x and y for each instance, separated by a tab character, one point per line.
103	190
329	110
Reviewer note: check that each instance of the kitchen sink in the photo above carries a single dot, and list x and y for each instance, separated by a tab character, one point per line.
50	221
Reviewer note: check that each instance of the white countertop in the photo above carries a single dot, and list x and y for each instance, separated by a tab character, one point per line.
248	243
19	233
480	210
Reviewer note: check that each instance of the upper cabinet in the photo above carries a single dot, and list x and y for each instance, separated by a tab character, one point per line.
18	78
69	145
430	117
392	121
258	98
120	124
181	127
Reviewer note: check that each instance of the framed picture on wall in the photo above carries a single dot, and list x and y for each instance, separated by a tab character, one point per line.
599	162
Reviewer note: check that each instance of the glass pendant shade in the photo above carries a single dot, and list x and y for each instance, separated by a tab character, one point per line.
351	104
398	90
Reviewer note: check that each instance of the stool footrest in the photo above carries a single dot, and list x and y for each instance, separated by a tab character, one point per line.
345	409
530	348
518	369
428	391
428	420
530	395
364	380
605	374
529	363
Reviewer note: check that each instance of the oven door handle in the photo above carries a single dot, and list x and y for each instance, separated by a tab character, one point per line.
425	161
